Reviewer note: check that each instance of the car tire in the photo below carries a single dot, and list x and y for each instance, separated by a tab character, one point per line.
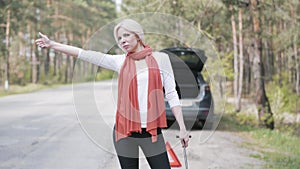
170	123
199	124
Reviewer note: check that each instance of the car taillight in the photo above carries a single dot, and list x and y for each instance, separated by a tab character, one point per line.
205	112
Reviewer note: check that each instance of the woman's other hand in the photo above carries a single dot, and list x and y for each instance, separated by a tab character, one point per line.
184	137
43	41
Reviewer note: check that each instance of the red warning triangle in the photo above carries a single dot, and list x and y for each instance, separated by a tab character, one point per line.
175	162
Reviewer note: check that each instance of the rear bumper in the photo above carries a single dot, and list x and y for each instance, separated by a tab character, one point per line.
190	113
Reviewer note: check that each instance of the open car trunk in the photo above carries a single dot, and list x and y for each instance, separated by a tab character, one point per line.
187	65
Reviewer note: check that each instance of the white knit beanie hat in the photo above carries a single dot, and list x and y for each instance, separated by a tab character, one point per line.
132	26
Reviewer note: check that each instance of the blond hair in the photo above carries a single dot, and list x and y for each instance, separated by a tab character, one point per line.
131	26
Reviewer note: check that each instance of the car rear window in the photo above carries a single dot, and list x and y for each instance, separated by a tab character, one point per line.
189	57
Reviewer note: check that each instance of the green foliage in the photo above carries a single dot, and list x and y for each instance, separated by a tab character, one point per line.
79	19
19	72
280	150
282	98
59	20
285	106
246	119
104	74
237	121
242	118
227	62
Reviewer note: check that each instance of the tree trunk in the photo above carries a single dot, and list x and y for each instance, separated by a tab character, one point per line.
54	64
47	59
37	62
7	45
248	71
279	57
297	67
34	65
56	37
69	60
58	62
265	115
270	52
241	67
235	59
34	60
295	49
47	63
67	69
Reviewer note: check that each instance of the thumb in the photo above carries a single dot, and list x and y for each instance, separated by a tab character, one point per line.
41	35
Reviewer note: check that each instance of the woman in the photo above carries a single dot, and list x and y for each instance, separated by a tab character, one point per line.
140	108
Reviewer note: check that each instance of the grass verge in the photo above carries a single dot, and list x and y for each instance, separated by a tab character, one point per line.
278	149
16	89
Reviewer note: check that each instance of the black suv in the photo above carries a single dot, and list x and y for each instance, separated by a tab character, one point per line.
192	89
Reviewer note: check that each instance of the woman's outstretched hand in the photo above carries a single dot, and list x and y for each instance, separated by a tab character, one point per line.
43	41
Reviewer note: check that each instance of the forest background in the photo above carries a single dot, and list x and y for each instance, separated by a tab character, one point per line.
256	40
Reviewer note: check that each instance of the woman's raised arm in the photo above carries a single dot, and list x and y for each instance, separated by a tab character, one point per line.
45	42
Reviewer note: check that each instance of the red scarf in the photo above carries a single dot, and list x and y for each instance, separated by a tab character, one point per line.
128	114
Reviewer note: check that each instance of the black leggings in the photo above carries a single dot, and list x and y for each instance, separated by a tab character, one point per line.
155	152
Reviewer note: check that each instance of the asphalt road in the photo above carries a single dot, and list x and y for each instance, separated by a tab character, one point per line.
71	128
